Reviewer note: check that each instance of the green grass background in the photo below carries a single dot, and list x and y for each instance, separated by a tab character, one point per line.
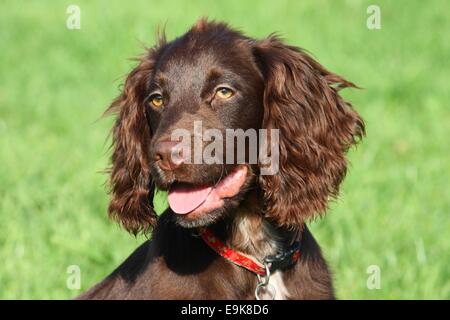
55	84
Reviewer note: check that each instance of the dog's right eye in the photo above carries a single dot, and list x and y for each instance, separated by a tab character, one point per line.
224	93
155	100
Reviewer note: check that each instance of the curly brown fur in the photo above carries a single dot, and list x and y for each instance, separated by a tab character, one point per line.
277	86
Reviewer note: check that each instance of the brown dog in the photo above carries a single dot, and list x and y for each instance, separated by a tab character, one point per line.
226	80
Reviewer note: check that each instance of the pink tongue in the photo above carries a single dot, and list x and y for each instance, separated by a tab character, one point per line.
184	198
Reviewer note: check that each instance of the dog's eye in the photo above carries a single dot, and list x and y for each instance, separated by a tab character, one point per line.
224	93
156	100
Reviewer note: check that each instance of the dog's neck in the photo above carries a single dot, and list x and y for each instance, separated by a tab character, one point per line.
249	232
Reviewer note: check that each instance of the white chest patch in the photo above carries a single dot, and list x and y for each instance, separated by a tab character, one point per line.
277	284
281	292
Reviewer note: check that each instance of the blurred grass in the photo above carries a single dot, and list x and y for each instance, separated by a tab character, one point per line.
55	84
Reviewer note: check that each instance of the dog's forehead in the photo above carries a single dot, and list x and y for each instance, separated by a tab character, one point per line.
187	67
190	59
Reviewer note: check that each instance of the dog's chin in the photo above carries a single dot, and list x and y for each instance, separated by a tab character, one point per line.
204	220
209	218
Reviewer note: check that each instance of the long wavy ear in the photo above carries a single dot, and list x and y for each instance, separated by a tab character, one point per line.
131	203
316	129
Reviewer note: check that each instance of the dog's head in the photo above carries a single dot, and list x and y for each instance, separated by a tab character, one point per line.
187	105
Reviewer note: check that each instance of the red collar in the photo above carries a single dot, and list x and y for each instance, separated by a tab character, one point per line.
248	262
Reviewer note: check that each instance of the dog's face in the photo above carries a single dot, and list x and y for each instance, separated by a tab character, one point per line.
202	83
214	79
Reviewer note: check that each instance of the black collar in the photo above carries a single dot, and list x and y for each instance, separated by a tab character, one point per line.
284	258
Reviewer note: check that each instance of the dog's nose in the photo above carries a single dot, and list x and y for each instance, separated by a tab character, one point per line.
169	154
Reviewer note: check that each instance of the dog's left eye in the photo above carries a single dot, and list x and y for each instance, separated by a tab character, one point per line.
156	100
224	93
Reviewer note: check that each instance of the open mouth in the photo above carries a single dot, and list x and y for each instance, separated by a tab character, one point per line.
187	199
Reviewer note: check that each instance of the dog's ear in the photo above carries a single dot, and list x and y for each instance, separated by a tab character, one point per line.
316	128
130	181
